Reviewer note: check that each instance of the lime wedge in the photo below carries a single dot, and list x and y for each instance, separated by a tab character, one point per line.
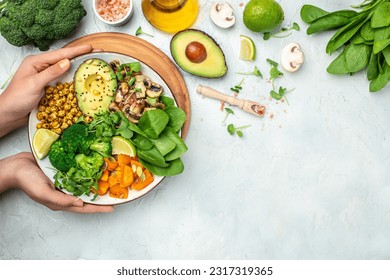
122	146
42	140
247	48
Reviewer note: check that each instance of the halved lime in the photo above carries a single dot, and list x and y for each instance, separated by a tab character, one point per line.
122	146
247	48
42	140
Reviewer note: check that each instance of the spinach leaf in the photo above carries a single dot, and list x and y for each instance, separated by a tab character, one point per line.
327	23
177	117
167	101
356	57
174	167
367	31
153	122
381	81
381	16
153	156
164	144
372	68
339	65
310	13
141	142
386	54
381	45
357	39
180	148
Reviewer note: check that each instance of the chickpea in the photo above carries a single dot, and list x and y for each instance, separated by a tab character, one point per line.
59	103
75	119
60	86
70	96
61	94
49	89
52	103
69	122
88	119
44	115
79	114
39	125
74	111
61	113
41	108
57	130
64	126
43	101
69	116
45	125
71	88
66	85
49	96
39	116
55	125
53	116
55	90
67	107
65	91
56	96
47	110
53	109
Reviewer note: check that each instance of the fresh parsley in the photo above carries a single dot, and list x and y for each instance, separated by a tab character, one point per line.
236	130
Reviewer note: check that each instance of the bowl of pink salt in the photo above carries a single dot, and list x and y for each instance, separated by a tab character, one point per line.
113	12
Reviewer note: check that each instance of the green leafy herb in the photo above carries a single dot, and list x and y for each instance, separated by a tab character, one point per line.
268	35
228	112
238	87
255	72
363	36
236	130
139	31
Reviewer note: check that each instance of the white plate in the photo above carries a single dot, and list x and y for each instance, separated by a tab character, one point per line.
45	164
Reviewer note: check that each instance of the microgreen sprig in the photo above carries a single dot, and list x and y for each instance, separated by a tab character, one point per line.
238	87
237	130
255	72
268	35
228	112
139	31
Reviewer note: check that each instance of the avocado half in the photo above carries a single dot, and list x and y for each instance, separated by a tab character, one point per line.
197	53
95	86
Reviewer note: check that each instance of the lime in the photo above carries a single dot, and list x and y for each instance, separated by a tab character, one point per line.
263	15
42	140
122	146
247	48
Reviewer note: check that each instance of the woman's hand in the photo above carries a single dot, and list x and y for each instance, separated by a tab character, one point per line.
22	172
27	86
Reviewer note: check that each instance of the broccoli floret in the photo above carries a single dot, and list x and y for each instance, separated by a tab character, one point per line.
102	146
60	158
84	145
39	22
73	136
89	163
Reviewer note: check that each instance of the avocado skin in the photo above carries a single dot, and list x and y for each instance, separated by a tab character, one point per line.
214	66
94	96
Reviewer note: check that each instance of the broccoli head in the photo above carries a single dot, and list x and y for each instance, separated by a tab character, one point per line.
102	146
74	136
38	22
91	163
60	158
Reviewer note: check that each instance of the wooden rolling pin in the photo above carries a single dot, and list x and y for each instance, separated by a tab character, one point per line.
246	105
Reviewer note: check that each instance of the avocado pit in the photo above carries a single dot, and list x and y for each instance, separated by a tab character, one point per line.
196	52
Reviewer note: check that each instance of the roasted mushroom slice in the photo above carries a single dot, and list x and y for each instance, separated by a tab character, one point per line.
155	90
147	83
113	107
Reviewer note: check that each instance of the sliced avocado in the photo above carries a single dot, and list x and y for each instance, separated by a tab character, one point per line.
197	53
95	85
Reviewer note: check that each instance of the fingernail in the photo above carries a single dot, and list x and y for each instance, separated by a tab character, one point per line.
78	202
64	63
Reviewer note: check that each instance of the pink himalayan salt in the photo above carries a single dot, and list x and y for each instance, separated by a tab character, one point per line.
113	10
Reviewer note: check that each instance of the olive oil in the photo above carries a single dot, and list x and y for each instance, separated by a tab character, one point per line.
170	15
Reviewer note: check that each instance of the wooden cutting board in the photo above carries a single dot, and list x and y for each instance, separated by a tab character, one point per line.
148	54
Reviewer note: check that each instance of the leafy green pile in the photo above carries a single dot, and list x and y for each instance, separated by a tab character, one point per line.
363	36
39	22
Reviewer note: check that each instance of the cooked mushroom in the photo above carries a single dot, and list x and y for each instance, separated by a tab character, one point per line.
113	107
154	91
221	13
147	83
292	57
